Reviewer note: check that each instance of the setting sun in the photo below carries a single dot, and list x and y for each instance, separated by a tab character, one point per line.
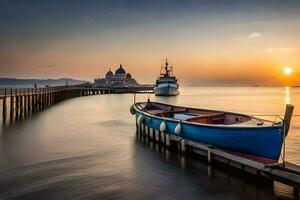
287	70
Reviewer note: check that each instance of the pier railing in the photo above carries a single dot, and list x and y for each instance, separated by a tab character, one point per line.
21	102
28	91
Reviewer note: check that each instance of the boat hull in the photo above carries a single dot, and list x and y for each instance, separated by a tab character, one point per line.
165	91
265	142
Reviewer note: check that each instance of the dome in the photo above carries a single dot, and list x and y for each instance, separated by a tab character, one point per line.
109	74
128	75
120	70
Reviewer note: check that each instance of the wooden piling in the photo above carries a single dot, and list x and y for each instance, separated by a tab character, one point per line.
21	105
12	106
36	103
4	106
296	193
25	104
151	133
157	136
39	102
182	145
42	100
17	106
145	131
28	104
168	140
32	102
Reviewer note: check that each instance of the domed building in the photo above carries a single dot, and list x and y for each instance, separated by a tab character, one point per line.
109	74
119	79
120	71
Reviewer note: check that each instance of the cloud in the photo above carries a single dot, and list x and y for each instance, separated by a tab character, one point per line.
257	22
248	37
254	35
282	49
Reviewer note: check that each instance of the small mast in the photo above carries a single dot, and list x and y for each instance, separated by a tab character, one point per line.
166	71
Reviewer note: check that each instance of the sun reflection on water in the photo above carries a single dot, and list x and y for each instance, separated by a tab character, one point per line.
287	95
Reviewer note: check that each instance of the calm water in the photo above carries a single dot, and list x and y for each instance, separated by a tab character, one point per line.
86	148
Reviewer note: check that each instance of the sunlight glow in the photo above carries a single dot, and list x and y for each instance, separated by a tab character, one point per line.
287	70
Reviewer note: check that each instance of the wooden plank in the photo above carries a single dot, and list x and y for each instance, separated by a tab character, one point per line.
175	138
290	167
286	177
289	175
197	145
238	159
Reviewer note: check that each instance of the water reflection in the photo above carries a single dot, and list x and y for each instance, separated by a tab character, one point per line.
188	175
287	95
85	148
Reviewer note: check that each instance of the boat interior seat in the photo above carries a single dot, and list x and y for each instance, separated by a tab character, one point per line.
218	118
169	114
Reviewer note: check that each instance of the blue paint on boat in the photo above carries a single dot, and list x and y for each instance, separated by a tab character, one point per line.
264	142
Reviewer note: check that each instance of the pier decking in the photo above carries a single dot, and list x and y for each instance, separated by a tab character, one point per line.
20	102
287	173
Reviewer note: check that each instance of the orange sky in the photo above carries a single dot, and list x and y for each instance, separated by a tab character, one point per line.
214	44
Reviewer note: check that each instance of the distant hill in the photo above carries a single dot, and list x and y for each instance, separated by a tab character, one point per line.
29	83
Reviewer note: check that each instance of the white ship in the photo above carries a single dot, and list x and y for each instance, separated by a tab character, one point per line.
166	84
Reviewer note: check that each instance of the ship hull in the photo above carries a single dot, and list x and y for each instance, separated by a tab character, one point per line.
165	91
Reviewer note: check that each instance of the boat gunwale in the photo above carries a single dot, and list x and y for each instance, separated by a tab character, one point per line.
274	125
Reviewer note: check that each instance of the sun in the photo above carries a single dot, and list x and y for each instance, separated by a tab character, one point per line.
287	70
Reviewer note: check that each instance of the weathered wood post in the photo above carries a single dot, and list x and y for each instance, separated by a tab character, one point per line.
57	96
28	102
157	136
168	140
36	101
4	106
45	102
163	137
47	99
42	99
25	103
12	105
21	101
17	104
209	156
182	145
143	131
52	97
296	193
32	101
39	98
148	135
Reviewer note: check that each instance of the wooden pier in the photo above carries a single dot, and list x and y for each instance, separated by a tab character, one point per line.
288	174
18	103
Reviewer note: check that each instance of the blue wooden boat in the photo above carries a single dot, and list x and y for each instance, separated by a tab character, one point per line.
230	131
